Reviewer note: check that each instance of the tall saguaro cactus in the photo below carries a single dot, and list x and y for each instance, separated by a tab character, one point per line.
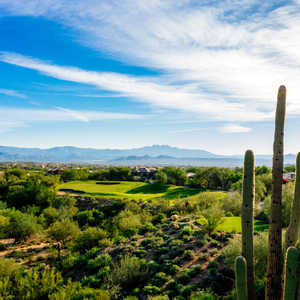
247	220
274	269
293	231
241	278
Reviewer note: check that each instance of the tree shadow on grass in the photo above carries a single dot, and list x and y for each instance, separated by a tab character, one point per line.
154	188
260	226
181	192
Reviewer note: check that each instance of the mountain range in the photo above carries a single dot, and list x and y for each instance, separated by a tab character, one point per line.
149	155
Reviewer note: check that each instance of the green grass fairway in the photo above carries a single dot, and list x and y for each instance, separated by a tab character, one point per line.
128	189
233	224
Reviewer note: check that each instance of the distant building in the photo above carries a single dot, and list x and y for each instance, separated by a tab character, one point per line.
288	176
190	175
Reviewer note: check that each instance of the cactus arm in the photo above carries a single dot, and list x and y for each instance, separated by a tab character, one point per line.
274	269
247	220
292	232
241	278
291	274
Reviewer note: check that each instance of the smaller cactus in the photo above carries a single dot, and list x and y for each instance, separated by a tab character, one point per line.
292	233
241	278
291	274
247	220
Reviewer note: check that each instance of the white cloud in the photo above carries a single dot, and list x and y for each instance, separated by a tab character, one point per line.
146	89
220	59
20	117
233	128
12	93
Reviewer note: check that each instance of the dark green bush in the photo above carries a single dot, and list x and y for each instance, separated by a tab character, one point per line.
184	277
170	269
151	290
148	227
159	218
89	238
21	226
188	254
160	278
103	260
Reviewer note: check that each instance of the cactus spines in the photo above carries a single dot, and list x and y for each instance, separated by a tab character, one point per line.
292	232
274	269
291	273
241	278
247	220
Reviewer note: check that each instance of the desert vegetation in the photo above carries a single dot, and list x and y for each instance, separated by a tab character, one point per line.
109	235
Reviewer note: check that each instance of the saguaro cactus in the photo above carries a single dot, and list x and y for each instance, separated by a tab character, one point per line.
247	220
293	231
291	274
241	278
274	269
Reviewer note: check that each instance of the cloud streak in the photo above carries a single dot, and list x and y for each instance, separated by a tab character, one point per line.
12	93
146	89
220	60
12	118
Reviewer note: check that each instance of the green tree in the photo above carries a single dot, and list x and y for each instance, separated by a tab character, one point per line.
21	226
63	230
213	217
161	177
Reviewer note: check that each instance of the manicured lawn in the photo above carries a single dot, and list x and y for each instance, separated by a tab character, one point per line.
233	224
128	189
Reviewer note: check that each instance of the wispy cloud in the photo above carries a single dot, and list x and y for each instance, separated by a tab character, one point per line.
12	93
20	117
233	128
222	60
146	89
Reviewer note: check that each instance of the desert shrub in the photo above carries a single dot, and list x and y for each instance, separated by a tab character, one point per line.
151	290
130	221
30	284
187	290
140	253
89	238
170	269
50	215
63	230
159	218
148	227
160	297
75	291
91	217
234	249
160	278
187	230
128	272
21	226
202	295
195	270
176	243
188	254
101	261
184	277
7	267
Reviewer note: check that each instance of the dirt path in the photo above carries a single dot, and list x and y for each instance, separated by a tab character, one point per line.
23	248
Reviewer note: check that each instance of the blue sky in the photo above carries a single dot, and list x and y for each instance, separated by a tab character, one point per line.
123	74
